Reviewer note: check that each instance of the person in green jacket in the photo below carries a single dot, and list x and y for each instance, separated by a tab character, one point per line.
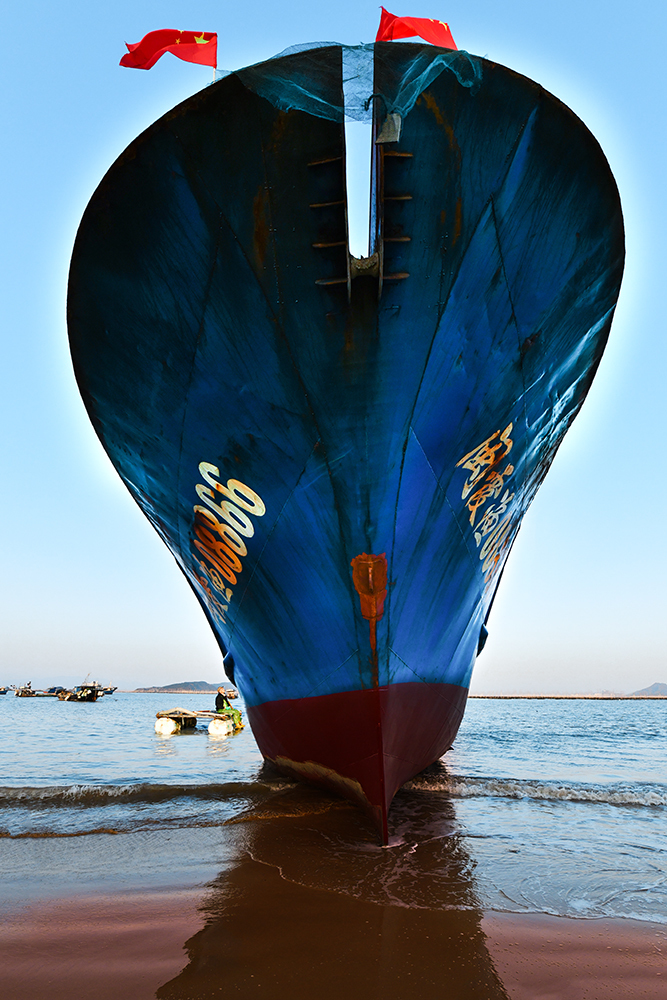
224	708
222	701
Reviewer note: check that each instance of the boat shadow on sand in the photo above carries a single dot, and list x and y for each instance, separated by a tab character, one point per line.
312	905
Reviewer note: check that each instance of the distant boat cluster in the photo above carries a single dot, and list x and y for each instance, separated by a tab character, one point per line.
88	691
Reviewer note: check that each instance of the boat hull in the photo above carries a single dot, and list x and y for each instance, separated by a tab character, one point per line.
362	744
339	454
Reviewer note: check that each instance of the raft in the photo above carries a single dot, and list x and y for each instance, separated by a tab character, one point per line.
175	719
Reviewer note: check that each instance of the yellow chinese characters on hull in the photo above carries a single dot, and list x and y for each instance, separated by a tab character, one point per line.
492	523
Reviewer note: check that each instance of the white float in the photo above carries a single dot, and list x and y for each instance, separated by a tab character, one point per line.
166	727
220	727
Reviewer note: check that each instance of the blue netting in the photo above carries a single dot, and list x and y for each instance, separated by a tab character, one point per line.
308	84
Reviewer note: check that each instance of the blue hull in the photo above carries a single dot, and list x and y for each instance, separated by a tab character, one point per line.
339	455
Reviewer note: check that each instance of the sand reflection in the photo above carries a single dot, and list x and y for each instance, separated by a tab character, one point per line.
313	907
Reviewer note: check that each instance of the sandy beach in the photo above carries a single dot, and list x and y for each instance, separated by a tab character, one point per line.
280	917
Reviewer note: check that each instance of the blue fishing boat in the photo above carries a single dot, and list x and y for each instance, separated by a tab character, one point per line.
339	451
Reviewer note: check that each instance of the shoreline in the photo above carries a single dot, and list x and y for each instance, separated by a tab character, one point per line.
288	891
572	697
265	907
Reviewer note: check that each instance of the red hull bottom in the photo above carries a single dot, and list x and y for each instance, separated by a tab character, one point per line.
362	744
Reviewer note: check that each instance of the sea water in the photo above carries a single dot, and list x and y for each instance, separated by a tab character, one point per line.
548	806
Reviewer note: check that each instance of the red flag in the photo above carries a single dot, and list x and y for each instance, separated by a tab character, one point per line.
436	32
199	48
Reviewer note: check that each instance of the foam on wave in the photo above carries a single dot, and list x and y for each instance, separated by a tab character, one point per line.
513	788
69	796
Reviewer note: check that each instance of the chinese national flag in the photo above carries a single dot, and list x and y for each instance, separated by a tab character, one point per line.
436	32
199	48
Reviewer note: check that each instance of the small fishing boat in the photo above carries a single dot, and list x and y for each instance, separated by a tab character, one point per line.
25	691
83	692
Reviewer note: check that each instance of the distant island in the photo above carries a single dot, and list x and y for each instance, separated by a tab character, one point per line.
655	690
185	687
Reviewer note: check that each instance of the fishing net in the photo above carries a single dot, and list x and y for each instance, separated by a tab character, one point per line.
305	78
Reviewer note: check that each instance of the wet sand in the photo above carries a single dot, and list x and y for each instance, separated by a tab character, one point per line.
96	947
293	941
552	958
295	899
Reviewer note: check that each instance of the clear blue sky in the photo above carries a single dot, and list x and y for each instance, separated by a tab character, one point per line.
85	584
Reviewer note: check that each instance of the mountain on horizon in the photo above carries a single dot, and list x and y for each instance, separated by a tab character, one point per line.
653	689
181	688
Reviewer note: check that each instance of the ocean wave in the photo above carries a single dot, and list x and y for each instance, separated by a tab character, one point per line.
514	788
94	796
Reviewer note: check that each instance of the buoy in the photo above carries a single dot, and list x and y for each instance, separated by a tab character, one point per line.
220	727
166	726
